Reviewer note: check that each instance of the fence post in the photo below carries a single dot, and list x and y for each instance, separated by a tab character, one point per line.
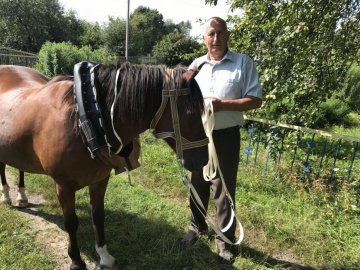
322	157
352	160
248	147
295	150
335	158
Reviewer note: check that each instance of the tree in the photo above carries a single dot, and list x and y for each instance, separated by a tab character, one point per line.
114	36
175	48
92	35
147	27
351	90
303	50
183	27
27	24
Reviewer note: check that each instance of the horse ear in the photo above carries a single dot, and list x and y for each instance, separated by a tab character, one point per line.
196	70
189	76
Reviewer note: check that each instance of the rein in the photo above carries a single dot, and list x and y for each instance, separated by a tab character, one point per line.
209	173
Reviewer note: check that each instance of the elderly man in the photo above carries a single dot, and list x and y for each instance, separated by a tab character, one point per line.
230	80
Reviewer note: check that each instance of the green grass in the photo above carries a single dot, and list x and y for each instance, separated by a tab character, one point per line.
287	223
18	251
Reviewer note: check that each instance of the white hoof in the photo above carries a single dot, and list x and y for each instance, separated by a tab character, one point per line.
5	197
106	260
22	200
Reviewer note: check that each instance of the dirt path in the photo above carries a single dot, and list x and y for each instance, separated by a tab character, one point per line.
50	235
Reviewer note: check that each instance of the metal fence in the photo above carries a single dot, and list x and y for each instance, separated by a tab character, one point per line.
147	60
303	152
15	57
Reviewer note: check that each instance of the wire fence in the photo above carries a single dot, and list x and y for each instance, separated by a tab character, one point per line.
303	152
15	57
146	60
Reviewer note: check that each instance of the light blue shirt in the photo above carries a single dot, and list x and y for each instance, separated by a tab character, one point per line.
234	77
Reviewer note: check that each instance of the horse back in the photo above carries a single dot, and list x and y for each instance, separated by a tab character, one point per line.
19	77
34	115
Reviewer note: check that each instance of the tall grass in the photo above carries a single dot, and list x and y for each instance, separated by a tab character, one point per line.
287	225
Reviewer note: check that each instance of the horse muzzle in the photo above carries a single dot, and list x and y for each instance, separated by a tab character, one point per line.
196	158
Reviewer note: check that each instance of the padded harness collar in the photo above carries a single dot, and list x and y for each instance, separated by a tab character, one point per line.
90	119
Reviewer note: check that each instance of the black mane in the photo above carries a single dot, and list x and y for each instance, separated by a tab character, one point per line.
139	89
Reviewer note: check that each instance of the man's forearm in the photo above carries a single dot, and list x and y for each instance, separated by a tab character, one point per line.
242	104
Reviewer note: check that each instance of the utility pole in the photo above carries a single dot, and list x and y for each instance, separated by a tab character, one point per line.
127	31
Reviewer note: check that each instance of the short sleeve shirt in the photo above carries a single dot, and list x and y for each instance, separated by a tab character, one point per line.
234	77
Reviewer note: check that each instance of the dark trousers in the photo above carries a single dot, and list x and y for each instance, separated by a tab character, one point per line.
227	145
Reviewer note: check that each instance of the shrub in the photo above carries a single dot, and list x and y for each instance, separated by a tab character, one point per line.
60	58
351	89
333	111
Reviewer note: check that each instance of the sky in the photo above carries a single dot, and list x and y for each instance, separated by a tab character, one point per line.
176	10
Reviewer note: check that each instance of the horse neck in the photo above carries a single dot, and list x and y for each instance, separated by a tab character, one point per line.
140	88
128	131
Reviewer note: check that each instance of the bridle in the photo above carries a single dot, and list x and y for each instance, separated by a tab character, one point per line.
171	95
181	143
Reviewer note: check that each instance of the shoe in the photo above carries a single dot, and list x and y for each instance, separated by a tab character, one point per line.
189	239
226	256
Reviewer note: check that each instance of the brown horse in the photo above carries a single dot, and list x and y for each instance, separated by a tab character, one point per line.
40	131
26	79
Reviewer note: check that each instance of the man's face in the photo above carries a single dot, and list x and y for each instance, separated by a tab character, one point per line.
216	38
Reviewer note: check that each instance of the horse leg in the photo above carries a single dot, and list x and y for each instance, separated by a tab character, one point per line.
97	194
5	197
66	197
22	200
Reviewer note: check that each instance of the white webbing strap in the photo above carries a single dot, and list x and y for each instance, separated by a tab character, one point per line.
112	114
209	170
209	173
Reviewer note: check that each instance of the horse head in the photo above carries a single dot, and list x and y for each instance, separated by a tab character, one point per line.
168	101
179	118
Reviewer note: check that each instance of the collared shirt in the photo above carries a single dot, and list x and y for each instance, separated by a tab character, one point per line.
234	77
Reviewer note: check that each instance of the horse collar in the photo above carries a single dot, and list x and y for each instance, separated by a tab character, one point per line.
90	118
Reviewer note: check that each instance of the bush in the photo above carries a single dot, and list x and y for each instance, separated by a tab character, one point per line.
60	58
351	90
332	112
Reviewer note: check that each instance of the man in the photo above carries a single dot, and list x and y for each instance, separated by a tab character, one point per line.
230	80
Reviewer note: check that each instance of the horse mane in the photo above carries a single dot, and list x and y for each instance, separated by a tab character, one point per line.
139	89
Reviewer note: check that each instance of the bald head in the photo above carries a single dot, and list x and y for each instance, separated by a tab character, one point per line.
211	22
216	37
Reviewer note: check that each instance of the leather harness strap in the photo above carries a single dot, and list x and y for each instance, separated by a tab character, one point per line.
90	118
